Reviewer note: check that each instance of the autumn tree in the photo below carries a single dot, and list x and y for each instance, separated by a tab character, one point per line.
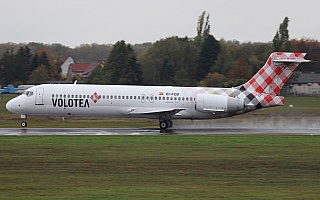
97	76
8	68
46	59
214	80
170	61
121	67
159	62
23	62
281	39
89	52
15	68
210	47
312	48
224	60
240	70
203	27
131	74
39	75
207	57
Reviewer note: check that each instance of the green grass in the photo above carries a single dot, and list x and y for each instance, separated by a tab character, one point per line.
160	167
303	107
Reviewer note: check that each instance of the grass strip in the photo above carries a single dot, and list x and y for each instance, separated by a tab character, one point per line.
158	167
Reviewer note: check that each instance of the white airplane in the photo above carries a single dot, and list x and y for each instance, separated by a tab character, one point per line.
160	102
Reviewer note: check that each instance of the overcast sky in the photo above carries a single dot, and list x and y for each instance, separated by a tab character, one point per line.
75	22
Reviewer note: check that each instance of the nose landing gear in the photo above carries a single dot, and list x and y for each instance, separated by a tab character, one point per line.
24	122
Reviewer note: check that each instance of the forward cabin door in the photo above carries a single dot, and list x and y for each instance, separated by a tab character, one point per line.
39	97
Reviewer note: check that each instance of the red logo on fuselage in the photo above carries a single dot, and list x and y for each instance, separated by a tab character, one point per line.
95	97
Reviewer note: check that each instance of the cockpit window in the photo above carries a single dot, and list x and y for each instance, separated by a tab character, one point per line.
28	93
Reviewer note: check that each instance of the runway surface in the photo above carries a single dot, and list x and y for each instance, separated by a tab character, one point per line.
152	131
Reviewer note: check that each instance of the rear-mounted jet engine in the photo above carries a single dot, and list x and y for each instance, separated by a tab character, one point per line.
218	103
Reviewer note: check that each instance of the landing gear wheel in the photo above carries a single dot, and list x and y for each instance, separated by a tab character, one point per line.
163	125
23	124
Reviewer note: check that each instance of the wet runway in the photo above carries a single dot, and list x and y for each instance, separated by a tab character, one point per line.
152	131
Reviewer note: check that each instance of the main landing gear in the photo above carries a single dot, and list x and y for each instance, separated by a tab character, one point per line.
165	123
24	122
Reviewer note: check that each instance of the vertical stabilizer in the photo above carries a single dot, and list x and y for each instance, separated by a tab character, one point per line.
274	74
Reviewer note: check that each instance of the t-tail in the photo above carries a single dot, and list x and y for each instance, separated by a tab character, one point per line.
262	89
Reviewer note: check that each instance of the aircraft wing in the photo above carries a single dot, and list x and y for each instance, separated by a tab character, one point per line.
154	111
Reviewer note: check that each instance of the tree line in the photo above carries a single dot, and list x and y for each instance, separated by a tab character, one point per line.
198	61
26	67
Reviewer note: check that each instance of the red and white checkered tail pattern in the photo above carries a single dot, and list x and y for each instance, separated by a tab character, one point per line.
274	74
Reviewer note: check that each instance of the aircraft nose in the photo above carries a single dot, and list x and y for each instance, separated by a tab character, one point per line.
14	106
9	106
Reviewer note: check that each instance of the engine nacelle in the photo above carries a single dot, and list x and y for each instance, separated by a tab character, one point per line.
218	103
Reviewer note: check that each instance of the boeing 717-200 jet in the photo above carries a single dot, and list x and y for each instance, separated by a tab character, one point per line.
160	102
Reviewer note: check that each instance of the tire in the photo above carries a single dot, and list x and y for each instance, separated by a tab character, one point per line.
163	125
23	124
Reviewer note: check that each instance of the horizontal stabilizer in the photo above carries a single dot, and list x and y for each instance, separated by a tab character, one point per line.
301	60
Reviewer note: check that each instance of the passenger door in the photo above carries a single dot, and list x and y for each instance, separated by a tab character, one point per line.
39	97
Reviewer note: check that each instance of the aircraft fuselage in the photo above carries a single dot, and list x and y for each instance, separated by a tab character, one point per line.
115	101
